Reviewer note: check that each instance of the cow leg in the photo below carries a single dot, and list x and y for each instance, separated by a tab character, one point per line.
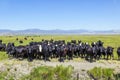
71	57
51	55
22	56
78	53
30	57
86	57
112	56
103	56
91	58
44	56
61	58
107	57
48	58
16	55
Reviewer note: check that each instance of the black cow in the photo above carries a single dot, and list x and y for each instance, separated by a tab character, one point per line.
25	38
0	41
57	50
20	52
63	52
73	41
54	50
30	54
20	41
70	52
10	49
82	50
16	39
99	49
45	51
2	47
109	52
34	52
99	43
32	39
50	49
89	53
118	52
79	41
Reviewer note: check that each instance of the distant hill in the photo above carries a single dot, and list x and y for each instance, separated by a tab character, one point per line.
54	32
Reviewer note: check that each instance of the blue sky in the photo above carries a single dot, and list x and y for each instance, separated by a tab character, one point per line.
60	14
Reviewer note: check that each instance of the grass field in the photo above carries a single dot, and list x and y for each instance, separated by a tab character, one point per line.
109	40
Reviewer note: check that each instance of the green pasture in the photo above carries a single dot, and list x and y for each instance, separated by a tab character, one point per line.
109	40
99	73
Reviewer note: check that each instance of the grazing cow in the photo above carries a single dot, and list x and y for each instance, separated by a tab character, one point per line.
73	41
16	39
25	38
32	39
20	41
109	52
0	41
118	52
2	47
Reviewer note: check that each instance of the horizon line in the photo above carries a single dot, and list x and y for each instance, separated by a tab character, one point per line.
58	29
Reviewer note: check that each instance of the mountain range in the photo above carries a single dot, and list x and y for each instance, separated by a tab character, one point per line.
55	32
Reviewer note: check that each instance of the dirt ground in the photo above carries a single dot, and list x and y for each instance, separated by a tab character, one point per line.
19	68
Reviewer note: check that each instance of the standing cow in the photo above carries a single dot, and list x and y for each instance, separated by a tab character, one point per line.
109	52
118	52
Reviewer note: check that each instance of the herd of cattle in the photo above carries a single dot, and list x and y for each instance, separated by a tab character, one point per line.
47	49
